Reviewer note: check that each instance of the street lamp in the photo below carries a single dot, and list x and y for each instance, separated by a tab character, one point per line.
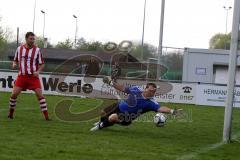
75	40
44	13
34	14
227	10
143	29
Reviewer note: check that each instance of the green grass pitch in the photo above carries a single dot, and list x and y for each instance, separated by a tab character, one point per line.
29	136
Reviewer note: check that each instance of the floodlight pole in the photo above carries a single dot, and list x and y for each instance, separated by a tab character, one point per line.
231	73
34	14
44	13
160	37
227	9
17	36
75	38
143	29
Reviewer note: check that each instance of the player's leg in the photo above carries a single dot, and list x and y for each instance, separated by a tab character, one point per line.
106	122
13	100
114	117
106	119
42	102
107	111
110	120
123	119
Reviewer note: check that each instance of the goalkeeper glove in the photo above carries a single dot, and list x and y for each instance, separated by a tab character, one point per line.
108	80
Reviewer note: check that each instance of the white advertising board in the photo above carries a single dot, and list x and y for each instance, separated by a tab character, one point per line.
215	95
95	88
180	93
187	93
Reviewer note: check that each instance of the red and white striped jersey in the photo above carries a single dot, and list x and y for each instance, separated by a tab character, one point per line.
28	59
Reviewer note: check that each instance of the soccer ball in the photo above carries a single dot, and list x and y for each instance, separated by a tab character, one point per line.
159	119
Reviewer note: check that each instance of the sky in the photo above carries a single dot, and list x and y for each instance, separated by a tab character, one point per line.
188	23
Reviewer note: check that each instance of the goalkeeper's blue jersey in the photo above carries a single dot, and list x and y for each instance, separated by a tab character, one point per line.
136	103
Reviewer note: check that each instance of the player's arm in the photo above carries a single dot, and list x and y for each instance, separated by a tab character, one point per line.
119	87
158	108
40	68
165	109
40	65
14	64
15	60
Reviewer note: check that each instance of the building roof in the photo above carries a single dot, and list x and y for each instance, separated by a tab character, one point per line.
64	54
208	51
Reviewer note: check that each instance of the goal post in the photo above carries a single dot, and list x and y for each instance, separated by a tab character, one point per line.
231	73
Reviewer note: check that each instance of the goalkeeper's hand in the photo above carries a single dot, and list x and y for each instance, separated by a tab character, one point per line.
108	80
115	73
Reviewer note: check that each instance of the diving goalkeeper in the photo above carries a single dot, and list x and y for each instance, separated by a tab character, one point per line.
137	103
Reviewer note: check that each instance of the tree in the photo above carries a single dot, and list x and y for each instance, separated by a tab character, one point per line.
174	62
40	43
83	45
2	37
3	44
67	44
149	51
94	46
220	41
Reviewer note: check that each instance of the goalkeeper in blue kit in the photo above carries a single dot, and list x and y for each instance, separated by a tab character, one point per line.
137	103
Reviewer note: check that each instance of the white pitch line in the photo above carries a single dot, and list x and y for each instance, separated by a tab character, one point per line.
206	149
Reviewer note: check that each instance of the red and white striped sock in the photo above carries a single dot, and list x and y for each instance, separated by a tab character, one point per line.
12	106
43	106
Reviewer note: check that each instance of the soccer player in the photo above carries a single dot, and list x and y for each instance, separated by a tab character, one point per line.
138	102
30	62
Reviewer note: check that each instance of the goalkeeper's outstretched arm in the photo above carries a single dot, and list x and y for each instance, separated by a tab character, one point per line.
165	109
118	86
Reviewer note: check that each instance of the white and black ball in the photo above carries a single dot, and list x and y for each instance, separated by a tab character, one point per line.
159	119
